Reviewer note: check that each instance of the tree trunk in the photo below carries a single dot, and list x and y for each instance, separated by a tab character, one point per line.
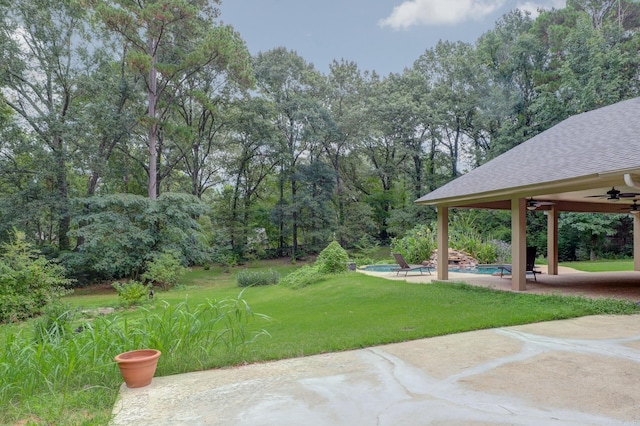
281	214
294	219
64	218
153	129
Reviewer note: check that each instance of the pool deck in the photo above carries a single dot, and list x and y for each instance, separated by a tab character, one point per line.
618	285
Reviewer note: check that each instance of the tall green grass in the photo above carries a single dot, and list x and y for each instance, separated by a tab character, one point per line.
73	379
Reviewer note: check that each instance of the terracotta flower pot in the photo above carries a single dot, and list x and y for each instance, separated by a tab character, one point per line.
138	367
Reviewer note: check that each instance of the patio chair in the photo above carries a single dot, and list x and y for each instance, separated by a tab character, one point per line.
530	266
406	268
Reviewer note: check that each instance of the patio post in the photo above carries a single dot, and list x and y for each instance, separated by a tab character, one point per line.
636	242
518	244
552	241
443	243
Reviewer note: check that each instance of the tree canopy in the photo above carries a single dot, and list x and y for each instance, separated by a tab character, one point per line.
118	118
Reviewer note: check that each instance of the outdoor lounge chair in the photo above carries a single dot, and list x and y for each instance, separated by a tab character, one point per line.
530	266
403	266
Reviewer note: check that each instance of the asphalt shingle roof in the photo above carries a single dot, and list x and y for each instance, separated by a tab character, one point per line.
595	142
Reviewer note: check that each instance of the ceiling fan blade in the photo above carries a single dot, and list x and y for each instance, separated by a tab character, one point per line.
628	195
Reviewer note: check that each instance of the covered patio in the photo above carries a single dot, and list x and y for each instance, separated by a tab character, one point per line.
568	282
587	163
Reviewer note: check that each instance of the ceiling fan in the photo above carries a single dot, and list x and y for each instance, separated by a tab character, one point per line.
534	204
614	195
633	208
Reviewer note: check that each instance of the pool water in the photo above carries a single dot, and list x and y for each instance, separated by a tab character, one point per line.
481	269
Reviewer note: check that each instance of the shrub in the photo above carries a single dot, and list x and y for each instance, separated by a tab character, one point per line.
165	270
472	242
132	292
421	241
123	231
360	261
503	251
80	268
302	277
333	259
417	245
28	281
367	246
247	278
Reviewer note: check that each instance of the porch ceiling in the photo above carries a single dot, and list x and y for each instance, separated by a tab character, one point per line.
571	200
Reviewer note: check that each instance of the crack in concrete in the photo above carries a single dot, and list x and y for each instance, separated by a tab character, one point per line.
450	400
607	347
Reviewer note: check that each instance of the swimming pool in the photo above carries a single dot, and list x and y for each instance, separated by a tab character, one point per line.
480	269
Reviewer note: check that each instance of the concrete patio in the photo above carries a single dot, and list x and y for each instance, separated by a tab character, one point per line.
583	371
618	285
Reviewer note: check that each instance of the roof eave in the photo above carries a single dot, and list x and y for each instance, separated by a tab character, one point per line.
566	185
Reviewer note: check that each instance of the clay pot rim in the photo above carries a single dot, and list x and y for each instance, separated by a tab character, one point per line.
137	355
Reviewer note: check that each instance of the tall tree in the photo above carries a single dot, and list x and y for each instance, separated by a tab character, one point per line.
389	114
43	62
345	98
597	9
170	41
293	86
252	153
513	57
450	70
317	216
110	104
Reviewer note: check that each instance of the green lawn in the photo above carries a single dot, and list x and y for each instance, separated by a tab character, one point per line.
339	313
601	265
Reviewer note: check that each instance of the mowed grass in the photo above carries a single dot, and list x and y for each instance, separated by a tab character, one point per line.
601	265
359	311
339	313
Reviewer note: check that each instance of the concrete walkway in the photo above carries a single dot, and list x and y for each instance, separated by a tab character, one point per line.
583	371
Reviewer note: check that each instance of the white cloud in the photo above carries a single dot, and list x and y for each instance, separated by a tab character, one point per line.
438	12
533	7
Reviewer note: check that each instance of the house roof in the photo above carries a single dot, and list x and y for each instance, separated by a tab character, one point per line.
589	151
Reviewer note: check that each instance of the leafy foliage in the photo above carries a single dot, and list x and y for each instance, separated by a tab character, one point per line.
417	245
28	281
247	278
304	156
333	259
165	270
302	277
132	292
472	242
122	232
583	235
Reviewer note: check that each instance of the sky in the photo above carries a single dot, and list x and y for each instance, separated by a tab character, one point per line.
382	35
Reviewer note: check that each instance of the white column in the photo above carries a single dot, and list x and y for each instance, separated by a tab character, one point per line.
443	243
552	241
518	244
